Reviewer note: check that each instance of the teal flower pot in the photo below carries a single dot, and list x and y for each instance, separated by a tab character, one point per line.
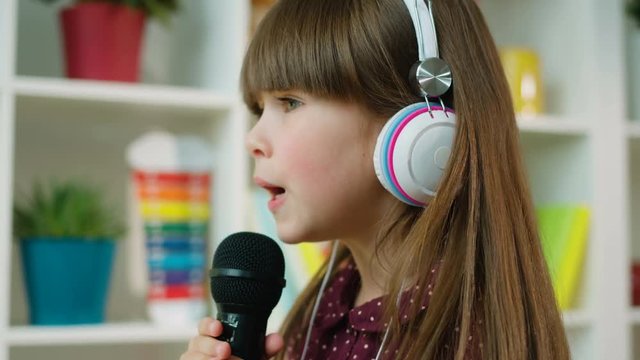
67	279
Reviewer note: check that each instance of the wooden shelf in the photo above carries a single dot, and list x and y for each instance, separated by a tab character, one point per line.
549	124
131	333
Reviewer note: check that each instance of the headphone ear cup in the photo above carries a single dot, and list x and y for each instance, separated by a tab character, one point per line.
380	154
412	152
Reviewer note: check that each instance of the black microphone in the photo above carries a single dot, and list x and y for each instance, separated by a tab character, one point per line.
247	277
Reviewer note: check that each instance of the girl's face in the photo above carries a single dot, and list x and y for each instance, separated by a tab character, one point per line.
315	158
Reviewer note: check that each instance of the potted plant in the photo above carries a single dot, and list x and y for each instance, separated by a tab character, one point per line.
102	38
633	9
67	238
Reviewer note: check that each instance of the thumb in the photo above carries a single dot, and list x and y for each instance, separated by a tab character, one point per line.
273	344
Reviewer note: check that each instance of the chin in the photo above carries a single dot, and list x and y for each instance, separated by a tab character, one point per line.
289	237
296	235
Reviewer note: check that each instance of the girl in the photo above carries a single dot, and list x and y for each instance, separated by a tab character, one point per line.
460	276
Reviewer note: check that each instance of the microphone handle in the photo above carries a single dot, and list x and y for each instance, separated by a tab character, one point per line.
244	331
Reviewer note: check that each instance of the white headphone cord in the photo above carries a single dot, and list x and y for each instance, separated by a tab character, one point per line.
327	275
384	340
386	332
325	280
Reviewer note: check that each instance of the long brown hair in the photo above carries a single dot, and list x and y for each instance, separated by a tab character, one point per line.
492	281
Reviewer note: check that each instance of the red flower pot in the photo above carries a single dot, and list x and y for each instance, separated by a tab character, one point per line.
102	41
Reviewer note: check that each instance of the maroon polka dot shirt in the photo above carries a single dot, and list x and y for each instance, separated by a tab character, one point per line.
341	331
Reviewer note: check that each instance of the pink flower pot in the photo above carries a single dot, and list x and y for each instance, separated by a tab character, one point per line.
102	41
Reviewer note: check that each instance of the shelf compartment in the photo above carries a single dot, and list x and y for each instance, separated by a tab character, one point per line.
559	167
101	110
120	333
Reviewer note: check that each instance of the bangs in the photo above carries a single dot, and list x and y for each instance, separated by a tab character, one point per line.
305	46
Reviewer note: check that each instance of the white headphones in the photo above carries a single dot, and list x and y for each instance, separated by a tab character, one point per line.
413	148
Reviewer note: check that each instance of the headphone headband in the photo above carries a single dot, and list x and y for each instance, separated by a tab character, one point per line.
425	28
430	75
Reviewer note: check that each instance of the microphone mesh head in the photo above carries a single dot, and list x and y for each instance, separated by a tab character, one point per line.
252	252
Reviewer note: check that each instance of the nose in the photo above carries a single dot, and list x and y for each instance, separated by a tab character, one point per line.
256	143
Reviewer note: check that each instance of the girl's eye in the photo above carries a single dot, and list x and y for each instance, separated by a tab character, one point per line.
257	111
290	103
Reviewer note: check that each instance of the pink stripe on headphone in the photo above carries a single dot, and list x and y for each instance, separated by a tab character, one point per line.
392	149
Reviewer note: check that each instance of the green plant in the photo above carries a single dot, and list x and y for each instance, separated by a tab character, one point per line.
65	209
633	9
160	9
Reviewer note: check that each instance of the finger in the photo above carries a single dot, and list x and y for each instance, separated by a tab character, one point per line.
211	347
223	350
203	344
204	327
210	327
273	344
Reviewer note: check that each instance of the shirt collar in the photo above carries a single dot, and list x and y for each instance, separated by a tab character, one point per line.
337	302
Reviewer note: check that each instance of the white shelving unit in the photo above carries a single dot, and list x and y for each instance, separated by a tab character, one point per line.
54	127
584	150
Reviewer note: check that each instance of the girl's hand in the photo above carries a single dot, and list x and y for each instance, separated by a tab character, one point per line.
204	346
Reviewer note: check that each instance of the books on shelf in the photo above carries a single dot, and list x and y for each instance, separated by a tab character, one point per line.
563	232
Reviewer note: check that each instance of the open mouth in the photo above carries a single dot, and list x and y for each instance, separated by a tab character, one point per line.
275	191
278	196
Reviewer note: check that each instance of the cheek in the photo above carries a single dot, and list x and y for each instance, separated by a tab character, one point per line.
307	162
320	163
318	171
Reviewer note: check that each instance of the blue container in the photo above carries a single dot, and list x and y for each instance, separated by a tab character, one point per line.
67	279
